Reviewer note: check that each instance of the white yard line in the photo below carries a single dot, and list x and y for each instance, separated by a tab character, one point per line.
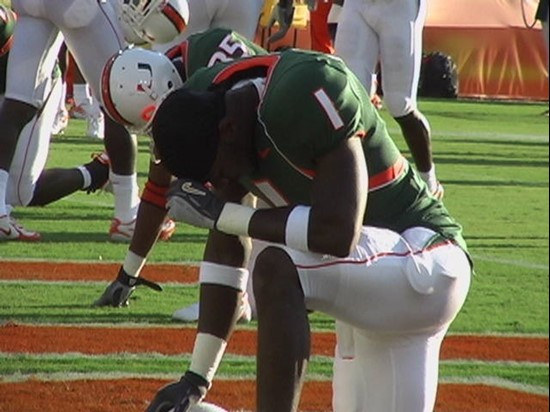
511	262
497	382
494	136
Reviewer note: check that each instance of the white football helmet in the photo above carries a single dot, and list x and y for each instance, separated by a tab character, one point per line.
134	83
153	21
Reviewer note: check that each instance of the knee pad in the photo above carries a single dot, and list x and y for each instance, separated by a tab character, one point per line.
398	104
79	13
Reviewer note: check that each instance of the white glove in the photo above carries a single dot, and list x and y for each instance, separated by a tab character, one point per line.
283	16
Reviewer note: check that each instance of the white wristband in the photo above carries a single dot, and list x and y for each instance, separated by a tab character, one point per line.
133	264
224	275
297	225
234	219
207	355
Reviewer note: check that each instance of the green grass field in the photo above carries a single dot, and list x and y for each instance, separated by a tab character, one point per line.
492	159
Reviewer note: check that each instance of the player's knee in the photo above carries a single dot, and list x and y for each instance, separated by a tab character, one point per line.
398	104
79	13
20	194
414	119
273	276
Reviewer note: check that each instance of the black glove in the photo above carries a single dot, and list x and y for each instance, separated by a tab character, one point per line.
180	396
191	202
118	293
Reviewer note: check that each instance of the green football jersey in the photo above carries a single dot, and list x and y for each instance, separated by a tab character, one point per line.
7	25
311	103
210	47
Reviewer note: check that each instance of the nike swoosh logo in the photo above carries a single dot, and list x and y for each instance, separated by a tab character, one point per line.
188	187
6	232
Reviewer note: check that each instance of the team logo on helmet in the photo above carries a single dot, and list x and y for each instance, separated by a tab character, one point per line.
134	83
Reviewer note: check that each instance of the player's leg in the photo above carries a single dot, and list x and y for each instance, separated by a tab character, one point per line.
400	372
29	184
62	117
401	54
190	313
319	27
247	311
123	146
57	183
357	43
347	381
36	43
283	332
93	42
391	285
87	107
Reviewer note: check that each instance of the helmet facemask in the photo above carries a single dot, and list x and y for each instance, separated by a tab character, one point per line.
154	21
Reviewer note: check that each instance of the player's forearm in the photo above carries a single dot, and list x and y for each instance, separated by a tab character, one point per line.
148	226
151	214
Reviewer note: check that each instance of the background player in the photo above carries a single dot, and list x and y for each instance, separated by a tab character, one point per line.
239	15
93	34
390	32
399	287
28	183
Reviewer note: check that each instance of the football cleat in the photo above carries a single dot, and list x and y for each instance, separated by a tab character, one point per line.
187	314
206	407
120	231
96	126
190	313
11	230
78	112
167	230
123	232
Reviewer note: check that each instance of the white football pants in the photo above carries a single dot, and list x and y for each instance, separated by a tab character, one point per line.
394	298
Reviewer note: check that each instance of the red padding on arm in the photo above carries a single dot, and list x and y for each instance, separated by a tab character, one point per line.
154	194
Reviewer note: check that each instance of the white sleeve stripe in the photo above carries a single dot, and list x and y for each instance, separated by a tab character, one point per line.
329	109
